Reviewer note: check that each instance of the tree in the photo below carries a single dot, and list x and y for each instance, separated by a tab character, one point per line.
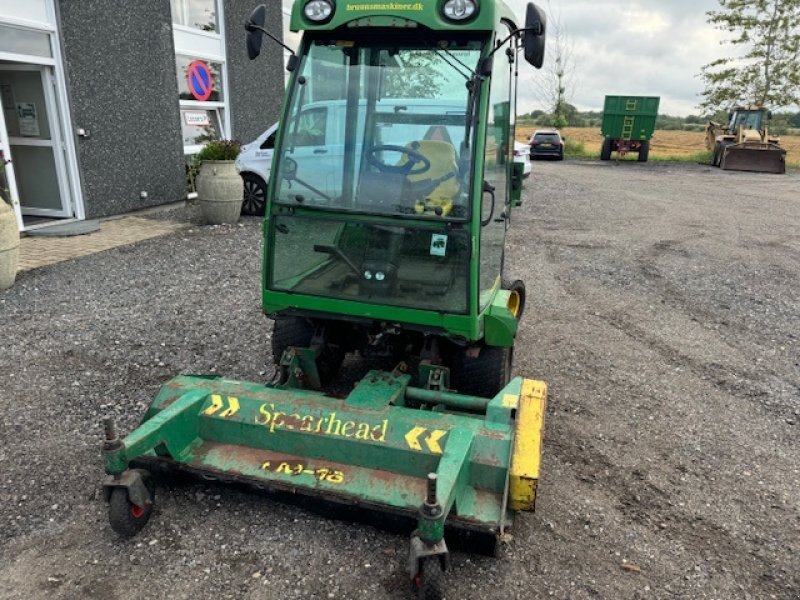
417	77
558	76
767	71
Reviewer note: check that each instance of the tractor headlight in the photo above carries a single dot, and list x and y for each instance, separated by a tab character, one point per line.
319	11
459	10
380	276
367	275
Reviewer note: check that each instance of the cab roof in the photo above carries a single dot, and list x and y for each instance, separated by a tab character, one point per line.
404	14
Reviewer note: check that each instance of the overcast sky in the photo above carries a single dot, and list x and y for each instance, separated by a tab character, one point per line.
636	47
629	47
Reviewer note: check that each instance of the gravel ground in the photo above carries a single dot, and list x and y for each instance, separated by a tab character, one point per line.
663	309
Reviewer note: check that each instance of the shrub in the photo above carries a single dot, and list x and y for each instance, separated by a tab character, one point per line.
219	150
573	148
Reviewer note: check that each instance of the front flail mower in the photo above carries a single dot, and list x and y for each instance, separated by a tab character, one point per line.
441	457
384	236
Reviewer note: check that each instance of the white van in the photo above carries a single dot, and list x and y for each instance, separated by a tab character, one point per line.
253	164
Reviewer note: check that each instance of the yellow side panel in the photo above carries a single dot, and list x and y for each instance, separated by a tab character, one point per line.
526	460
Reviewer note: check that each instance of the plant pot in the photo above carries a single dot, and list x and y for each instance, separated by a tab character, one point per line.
219	191
9	246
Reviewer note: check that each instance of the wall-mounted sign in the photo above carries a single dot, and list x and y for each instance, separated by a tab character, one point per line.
196	118
28	119
198	76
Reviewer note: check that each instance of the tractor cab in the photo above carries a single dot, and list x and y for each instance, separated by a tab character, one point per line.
371	197
755	119
390	192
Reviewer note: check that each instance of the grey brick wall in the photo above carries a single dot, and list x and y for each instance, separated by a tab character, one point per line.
120	64
256	87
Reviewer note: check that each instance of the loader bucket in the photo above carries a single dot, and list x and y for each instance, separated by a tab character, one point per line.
382	448
761	159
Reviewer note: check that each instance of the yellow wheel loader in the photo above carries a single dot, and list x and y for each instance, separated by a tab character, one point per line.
745	143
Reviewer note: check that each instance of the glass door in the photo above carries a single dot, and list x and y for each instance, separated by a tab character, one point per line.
34	139
8	183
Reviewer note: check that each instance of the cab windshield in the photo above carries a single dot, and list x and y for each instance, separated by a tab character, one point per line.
380	128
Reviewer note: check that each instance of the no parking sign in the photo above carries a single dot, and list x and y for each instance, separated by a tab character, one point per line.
198	76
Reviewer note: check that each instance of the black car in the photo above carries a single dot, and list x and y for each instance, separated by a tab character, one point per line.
547	143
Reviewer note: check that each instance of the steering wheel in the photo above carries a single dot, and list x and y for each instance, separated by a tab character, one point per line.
414	157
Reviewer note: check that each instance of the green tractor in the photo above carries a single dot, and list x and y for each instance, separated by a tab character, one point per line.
389	200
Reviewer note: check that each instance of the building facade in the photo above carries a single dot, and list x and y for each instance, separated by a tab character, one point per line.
102	102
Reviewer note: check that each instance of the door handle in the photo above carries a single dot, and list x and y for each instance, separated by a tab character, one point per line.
320	151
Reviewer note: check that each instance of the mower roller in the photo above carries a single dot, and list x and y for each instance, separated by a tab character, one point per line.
390	195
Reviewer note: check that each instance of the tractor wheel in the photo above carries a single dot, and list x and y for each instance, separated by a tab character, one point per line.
254	197
644	151
605	151
128	519
483	375
295	331
288	332
429	582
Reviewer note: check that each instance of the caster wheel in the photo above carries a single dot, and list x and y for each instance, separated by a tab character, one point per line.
126	518
429	582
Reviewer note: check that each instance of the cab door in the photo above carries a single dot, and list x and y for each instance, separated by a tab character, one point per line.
498	161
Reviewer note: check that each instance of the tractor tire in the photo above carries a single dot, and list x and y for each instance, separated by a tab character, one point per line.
297	332
605	151
288	332
644	151
126	518
483	375
429	582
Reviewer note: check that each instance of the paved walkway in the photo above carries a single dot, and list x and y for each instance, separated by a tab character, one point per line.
35	252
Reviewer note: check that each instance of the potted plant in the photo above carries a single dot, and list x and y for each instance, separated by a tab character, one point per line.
9	233
219	187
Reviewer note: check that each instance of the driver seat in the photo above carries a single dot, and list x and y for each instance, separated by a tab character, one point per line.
442	175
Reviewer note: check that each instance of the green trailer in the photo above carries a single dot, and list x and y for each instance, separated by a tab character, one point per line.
390	195
628	125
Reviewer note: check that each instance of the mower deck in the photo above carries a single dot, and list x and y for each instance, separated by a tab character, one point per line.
371	448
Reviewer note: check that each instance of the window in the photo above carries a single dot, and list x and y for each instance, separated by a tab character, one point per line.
197	14
498	158
183	63
269	143
310	128
24	41
200	58
200	126
396	148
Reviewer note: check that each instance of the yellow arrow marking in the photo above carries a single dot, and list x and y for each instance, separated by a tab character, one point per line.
510	401
216	404
432	441
233	407
412	438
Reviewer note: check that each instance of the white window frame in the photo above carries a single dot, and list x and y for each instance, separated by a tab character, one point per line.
212	43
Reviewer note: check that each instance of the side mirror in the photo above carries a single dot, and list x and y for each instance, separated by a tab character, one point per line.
534	36
289	171
254	25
